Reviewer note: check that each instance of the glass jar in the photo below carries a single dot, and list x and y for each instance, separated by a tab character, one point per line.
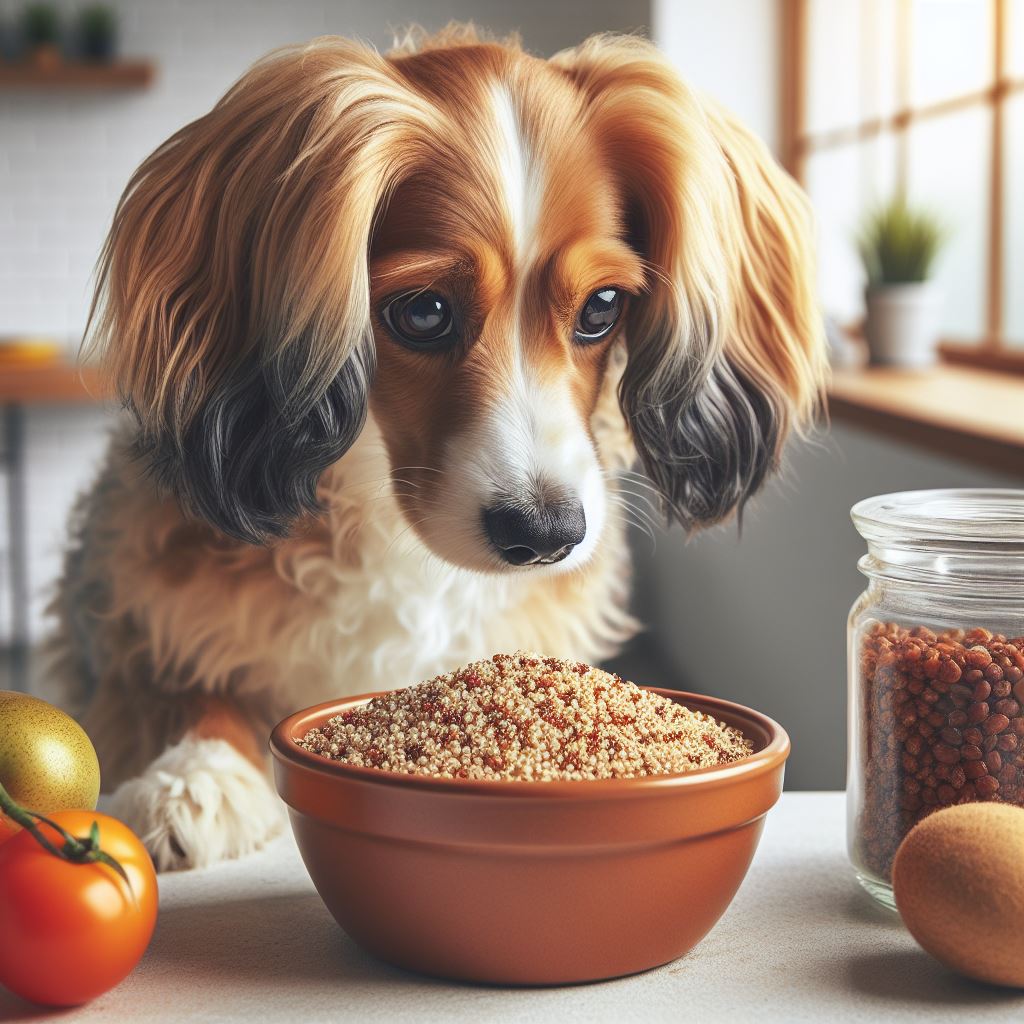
936	666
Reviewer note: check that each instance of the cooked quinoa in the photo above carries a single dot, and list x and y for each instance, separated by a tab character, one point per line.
526	717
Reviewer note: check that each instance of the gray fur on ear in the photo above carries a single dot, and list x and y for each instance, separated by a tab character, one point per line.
233	295
707	450
726	347
248	463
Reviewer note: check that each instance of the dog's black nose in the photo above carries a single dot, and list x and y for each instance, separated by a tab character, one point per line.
528	535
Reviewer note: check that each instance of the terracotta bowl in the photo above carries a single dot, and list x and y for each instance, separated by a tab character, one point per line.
528	883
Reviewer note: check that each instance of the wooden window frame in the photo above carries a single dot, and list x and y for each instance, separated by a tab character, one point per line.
990	351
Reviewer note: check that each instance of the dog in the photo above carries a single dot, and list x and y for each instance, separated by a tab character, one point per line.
387	328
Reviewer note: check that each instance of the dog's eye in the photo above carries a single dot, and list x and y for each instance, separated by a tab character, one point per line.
598	315
421	320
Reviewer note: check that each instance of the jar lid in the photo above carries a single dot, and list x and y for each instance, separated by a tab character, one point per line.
974	515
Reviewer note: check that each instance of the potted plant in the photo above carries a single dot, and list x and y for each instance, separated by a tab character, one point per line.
97	33
898	245
40	31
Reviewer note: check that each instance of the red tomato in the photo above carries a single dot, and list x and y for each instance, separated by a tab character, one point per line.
69	932
7	828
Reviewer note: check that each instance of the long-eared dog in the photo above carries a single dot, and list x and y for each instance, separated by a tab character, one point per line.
387	328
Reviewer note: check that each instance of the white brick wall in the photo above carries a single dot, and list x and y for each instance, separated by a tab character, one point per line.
64	158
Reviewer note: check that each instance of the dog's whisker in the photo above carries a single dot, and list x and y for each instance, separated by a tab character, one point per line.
381	481
413	525
625	514
658	497
640	505
643	514
339	501
640	500
640	480
636	479
626	487
422	469
637	512
646	515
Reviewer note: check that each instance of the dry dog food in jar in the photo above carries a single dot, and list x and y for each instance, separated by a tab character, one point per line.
936	666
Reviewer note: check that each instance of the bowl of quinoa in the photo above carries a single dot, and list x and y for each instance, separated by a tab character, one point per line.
528	718
528	820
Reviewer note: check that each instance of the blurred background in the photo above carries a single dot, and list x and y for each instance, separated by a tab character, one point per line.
904	119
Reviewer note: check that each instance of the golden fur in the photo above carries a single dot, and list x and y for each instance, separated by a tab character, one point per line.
290	512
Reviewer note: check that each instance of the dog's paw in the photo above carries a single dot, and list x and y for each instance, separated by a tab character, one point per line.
200	802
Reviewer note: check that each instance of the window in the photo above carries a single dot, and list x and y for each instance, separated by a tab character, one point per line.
923	98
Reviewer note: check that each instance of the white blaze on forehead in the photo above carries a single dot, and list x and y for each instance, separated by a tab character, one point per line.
517	418
521	178
529	441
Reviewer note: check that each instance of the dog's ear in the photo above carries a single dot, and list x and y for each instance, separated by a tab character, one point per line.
232	304
726	348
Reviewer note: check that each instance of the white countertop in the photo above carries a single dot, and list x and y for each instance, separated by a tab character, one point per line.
251	941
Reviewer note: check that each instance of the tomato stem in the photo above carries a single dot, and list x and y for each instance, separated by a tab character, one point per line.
74	851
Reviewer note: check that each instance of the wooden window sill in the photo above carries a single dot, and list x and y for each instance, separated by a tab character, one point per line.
959	411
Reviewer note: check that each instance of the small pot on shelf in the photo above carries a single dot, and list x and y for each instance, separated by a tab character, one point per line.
40	31
97	34
898	246
902	324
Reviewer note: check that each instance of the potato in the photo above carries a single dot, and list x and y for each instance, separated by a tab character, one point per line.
958	880
47	762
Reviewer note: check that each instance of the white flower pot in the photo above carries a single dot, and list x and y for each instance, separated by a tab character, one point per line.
902	326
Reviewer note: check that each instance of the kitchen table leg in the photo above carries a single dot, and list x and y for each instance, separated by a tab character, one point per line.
17	541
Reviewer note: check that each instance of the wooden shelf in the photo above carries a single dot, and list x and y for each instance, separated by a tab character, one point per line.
57	381
967	413
122	74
